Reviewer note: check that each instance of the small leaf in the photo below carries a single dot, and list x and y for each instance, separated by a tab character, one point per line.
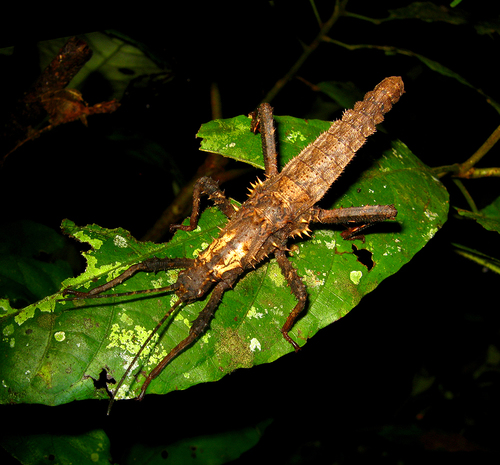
488	217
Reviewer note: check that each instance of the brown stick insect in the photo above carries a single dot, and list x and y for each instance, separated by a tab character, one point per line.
278	209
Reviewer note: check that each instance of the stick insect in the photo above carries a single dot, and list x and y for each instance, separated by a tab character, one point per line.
278	209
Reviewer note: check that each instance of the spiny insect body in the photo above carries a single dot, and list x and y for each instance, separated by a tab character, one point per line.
277	209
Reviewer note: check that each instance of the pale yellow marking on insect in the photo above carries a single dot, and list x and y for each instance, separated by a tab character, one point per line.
355	276
60	336
216	246
232	259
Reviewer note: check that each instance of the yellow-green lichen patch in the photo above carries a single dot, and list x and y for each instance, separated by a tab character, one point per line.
202	247
171	276
330	245
432	216
157	283
45	373
8	330
60	336
255	345
46	305
116	271
6	308
355	276
82	237
232	351
130	341
183	319
253	313
126	319
293	136
274	272
92	271
120	242
312	280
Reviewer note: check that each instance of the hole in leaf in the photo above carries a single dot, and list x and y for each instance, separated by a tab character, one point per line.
364	257
103	380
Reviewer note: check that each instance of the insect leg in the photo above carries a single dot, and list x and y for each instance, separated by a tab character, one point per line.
362	216
265	123
206	186
199	326
151	265
298	290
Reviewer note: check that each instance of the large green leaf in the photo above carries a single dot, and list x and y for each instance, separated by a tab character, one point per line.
93	447
53	349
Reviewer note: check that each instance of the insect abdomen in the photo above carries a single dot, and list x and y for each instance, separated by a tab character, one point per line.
315	169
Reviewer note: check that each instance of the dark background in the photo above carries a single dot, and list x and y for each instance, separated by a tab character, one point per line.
347	397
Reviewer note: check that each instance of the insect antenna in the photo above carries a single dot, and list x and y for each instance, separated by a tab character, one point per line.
77	295
144	345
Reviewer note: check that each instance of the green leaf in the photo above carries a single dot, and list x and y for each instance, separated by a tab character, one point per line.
478	257
54	349
429	12
28	270
488	217
117	59
89	447
210	449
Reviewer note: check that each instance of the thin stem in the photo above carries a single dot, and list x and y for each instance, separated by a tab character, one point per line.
482	151
466	169
466	194
337	13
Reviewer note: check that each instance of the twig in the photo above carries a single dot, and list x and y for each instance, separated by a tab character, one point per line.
466	169
337	13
